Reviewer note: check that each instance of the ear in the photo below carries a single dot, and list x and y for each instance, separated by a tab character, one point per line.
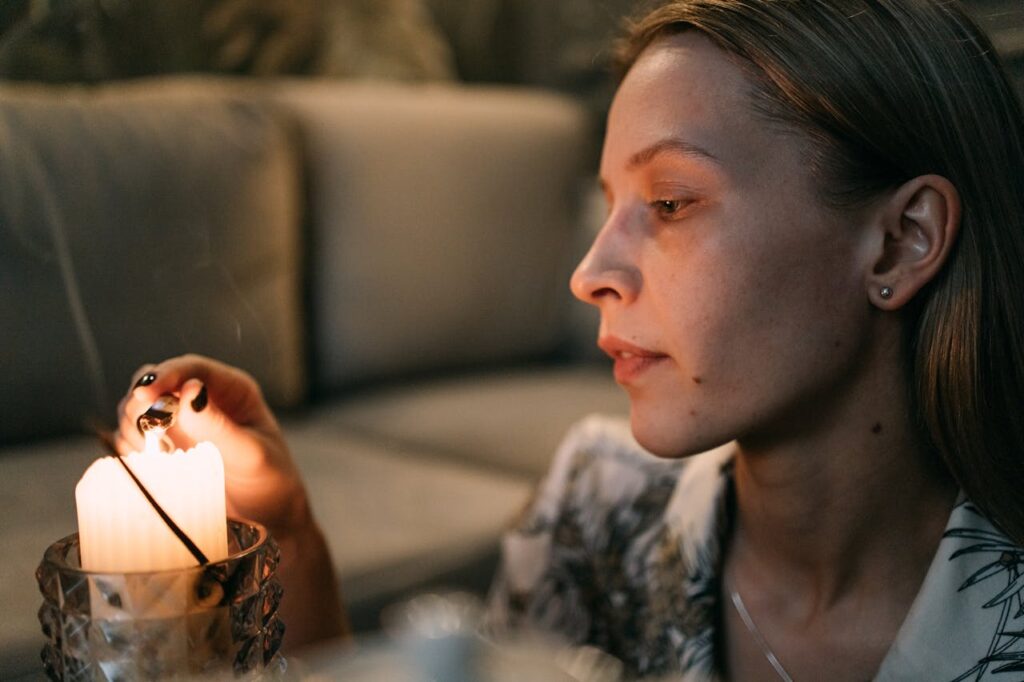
918	225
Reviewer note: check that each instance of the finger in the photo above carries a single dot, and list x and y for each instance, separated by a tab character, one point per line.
132	401
128	408
201	418
128	431
121	404
169	376
180	438
166	377
233	392
143	371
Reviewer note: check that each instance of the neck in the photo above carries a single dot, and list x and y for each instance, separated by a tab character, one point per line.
829	511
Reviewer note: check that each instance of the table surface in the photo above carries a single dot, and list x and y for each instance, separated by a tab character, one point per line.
457	658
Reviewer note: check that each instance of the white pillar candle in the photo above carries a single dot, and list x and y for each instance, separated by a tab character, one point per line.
120	532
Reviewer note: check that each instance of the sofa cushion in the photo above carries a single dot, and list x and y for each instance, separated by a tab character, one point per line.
508	420
139	222
394	515
442	219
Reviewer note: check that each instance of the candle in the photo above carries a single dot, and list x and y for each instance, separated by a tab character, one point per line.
119	531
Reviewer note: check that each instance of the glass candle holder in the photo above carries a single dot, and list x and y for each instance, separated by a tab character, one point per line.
213	619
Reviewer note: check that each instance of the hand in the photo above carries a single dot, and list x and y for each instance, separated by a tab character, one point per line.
262	37
225	406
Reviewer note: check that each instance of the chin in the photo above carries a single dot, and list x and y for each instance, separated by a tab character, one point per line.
670	438
658	438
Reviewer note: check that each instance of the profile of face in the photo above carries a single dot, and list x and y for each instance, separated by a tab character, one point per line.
732	299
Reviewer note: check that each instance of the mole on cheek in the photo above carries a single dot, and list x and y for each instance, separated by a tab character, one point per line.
877	428
693	413
698	380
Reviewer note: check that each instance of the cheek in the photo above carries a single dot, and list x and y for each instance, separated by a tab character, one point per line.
720	299
746	315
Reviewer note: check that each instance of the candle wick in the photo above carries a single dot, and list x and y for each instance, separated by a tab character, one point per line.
178	532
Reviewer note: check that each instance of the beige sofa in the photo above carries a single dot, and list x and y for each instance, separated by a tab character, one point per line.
390	261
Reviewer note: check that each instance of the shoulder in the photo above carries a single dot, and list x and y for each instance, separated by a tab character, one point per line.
603	487
618	550
967	621
599	467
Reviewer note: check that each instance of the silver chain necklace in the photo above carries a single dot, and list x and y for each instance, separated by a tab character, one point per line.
741	609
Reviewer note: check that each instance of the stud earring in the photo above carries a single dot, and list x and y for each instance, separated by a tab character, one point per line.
886	293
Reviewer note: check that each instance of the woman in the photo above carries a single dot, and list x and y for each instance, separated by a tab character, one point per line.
813	252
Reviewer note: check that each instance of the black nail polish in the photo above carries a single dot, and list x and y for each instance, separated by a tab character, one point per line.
145	380
199	402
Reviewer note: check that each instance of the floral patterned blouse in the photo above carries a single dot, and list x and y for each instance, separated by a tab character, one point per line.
620	550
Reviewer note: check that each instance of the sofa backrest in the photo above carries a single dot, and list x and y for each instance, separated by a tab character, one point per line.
138	222
389	229
442	224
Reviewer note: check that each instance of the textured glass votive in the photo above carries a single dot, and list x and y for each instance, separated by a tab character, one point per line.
213	619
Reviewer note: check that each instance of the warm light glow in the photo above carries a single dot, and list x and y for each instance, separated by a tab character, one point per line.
119	531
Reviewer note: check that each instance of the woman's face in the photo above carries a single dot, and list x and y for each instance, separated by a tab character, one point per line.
733	302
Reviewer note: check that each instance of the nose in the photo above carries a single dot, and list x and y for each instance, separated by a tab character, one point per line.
608	271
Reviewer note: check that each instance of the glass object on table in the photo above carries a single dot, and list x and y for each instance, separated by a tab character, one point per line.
436	637
203	620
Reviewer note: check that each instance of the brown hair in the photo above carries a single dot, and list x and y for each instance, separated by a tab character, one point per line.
888	90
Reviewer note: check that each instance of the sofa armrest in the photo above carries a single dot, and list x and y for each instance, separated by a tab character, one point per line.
139	221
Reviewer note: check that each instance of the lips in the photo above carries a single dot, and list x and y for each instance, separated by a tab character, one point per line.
631	361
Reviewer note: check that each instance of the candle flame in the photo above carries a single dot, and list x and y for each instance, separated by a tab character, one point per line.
153	441
157	442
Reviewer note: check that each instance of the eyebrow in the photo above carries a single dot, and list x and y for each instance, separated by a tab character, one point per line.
671	144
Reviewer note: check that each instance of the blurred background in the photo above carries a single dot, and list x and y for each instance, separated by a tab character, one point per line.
562	46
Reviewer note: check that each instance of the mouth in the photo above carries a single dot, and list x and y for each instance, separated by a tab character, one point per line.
631	361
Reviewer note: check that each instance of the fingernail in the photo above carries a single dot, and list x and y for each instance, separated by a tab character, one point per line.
145	380
199	402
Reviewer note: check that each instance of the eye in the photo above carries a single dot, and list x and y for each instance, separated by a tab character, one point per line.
669	208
